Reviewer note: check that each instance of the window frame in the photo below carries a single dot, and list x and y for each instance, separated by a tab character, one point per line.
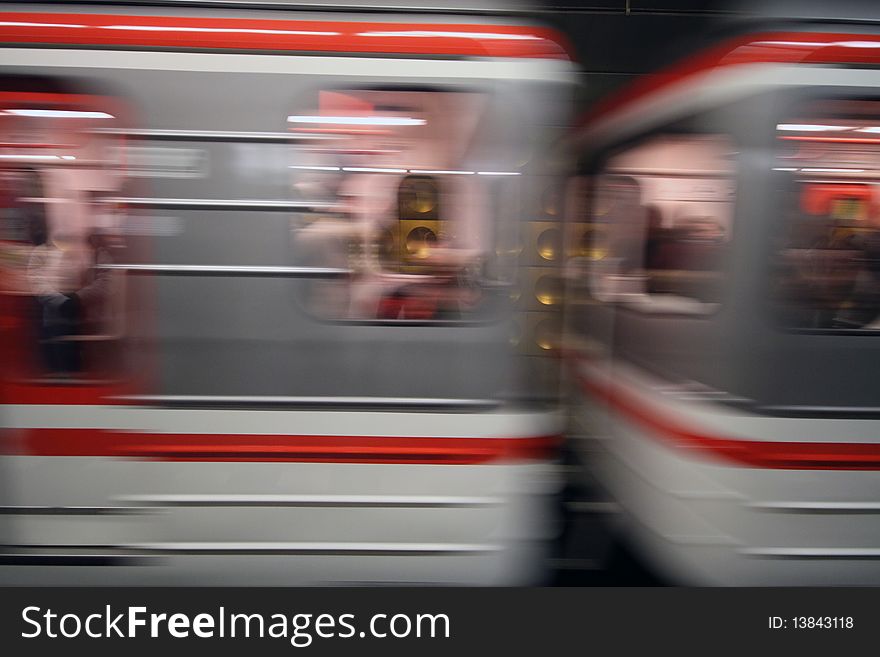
86	377
594	165
797	98
498	307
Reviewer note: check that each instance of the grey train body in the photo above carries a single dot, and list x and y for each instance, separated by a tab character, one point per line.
220	329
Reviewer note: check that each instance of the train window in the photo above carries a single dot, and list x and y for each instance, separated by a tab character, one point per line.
828	264
410	182
660	223
59	229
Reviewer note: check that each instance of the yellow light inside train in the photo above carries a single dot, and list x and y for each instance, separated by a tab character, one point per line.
419	196
548	333
548	244
592	246
550	200
419	241
548	290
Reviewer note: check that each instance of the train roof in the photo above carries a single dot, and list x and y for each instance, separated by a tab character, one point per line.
379	6
277	33
836	44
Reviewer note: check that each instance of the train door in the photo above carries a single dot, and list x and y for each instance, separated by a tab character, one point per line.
66	324
644	305
825	252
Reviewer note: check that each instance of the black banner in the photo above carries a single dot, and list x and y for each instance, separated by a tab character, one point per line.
418	621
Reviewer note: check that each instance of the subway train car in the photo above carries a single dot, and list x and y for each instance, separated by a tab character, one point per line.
722	301
280	293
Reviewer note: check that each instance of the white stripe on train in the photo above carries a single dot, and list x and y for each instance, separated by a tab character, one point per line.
539	70
488	424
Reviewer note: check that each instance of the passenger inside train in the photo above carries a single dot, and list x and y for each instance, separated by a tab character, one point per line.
663	211
59	232
829	260
414	214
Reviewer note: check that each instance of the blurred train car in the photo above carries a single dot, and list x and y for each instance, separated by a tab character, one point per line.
722	269
280	293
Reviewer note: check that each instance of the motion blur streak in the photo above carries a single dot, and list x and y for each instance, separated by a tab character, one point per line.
257	327
754	453
722	311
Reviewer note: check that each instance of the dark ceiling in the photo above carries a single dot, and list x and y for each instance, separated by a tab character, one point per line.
617	40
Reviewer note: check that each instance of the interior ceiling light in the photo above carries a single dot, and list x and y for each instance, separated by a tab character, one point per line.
356	120
59	114
811	127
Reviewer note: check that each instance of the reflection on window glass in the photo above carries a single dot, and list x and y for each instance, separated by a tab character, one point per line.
829	262
661	221
409	193
58	229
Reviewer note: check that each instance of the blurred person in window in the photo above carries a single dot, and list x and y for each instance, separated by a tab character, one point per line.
655	237
448	287
619	204
345	239
820	274
328	241
702	238
629	220
94	295
103	215
698	243
55	274
861	307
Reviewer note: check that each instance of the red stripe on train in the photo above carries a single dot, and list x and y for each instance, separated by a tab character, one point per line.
192	32
263	448
752	453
